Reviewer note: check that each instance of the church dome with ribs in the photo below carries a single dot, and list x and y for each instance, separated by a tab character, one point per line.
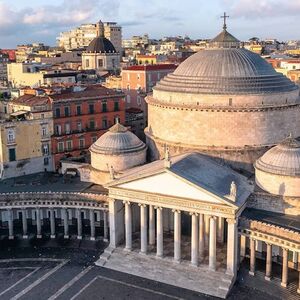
226	71
225	101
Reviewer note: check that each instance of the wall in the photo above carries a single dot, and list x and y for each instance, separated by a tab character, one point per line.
278	184
223	128
118	162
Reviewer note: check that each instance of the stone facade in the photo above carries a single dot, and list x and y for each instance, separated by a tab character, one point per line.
268	202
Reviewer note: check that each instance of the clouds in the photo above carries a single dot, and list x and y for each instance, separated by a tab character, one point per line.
52	18
257	9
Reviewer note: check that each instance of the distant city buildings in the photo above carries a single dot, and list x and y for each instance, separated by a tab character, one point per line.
36	75
81	36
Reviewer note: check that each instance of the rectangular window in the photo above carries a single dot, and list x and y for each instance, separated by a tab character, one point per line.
117	119
104	106
79	126
12	154
60	147
10	136
46	161
57	129
45	149
69	145
81	144
92	124
116	106
44	131
78	110
67	128
94	139
104	123
100	63
57	112
91	108
67	111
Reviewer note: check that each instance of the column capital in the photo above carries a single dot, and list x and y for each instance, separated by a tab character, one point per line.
126	202
176	211
111	200
194	214
142	205
213	217
231	221
269	244
158	207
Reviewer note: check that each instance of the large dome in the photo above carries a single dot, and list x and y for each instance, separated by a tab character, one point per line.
283	159
226	71
117	140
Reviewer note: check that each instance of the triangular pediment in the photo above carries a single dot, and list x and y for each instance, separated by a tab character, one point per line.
168	184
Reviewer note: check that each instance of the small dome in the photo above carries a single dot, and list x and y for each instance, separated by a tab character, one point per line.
117	140
283	159
100	45
224	40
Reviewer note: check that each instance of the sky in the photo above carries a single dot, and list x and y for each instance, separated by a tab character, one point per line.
27	21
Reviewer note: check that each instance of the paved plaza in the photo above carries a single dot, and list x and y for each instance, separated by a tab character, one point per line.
48	269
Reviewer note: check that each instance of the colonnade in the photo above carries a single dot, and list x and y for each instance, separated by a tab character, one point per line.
269	260
206	230
53	222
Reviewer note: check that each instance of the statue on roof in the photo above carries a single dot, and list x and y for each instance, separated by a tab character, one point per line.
233	191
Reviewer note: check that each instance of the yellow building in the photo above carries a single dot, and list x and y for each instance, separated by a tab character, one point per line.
36	75
146	59
25	137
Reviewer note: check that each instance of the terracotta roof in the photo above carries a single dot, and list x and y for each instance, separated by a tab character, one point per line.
91	92
151	67
32	100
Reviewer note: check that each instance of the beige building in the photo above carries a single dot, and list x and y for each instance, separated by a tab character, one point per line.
25	137
81	36
36	75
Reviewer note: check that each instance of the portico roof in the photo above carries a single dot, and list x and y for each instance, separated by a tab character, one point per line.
196	171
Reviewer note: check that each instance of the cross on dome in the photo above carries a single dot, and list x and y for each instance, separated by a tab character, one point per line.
224	17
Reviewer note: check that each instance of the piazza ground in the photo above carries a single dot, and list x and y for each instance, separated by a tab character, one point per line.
59	269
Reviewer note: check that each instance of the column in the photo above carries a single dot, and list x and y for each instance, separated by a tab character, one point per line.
221	229
116	223
284	280
252	256
177	235
151	225
212	243
298	290
128	226
105	234
295	259
201	235
64	213
38	223
52	223
79	224
206	236
269	262
243	240
232	248
92	224
144	230
10	224
159	232
24	224
195	243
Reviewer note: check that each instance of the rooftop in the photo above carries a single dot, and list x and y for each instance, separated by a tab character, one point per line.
151	67
32	100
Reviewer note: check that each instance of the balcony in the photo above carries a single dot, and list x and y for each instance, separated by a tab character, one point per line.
87	129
